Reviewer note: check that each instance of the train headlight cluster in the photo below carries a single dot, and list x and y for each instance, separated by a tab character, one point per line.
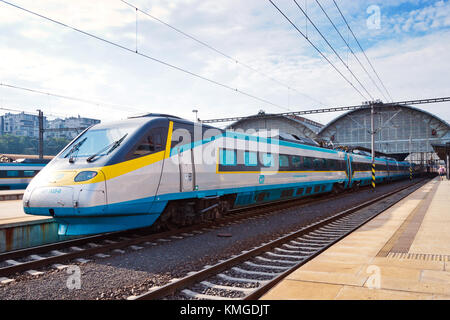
85	176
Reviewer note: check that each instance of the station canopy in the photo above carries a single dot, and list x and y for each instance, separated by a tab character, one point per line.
400	131
296	126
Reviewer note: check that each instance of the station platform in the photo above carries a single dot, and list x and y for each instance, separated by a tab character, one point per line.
11	212
11	194
404	253
19	230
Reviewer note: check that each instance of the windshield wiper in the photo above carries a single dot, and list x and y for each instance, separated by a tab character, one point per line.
110	147
76	147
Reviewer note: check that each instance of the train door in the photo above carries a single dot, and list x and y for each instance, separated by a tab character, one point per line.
349	170
187	171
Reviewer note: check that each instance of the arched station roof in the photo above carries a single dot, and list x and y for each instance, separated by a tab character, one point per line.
399	129
294	125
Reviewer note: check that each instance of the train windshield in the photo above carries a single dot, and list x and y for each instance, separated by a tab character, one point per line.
96	142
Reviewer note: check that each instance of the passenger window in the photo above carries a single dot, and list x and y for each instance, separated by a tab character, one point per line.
251	159
296	163
12	173
317	164
332	164
307	163
284	161
268	160
28	173
228	157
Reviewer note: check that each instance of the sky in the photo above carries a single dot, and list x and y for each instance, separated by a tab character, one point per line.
247	57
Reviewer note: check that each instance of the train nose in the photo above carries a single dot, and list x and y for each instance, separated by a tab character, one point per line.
50	201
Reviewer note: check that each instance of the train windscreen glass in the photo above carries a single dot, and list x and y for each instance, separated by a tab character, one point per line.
97	142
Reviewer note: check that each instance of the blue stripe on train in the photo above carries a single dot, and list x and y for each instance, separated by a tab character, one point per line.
14	186
136	213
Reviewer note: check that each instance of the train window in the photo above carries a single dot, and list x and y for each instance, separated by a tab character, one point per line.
153	142
147	146
228	157
317	164
284	161
287	193
158	143
29	173
332	164
296	163
268	160
300	191
12	173
251	159
307	163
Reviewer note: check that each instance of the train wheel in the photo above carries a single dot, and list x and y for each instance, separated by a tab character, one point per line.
337	188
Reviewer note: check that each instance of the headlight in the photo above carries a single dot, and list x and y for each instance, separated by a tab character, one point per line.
85	175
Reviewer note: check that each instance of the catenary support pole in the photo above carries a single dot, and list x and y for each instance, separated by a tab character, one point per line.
41	134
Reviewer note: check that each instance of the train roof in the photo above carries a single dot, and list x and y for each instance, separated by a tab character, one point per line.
154	115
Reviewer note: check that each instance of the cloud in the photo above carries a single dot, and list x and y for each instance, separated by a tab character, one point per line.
412	60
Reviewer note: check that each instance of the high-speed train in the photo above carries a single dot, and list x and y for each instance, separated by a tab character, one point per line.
18	174
163	170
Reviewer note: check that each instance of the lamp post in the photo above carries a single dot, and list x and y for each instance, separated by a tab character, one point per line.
41	134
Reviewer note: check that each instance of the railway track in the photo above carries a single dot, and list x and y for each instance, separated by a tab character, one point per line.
30	260
251	274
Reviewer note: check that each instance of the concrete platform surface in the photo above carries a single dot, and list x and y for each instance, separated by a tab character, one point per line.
11	214
11	194
402	254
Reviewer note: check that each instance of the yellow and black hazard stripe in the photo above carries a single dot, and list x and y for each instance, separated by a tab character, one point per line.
373	175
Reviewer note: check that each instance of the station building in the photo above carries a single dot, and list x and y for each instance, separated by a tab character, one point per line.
403	132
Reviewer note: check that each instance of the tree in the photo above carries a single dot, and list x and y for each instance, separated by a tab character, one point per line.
10	144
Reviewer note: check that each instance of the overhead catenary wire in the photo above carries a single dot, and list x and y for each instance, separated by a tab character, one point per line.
332	48
97	103
172	66
317	49
351	50
222	53
359	44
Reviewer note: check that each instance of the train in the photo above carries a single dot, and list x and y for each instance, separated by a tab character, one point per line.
166	172
18	174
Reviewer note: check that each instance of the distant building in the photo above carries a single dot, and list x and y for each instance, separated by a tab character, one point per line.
27	125
21	124
76	123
